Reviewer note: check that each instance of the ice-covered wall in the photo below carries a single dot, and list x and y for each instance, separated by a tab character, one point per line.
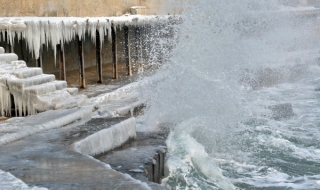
50	31
107	139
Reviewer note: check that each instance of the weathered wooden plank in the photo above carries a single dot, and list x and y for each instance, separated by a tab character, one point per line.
127	50
82	80
39	60
61	59
98	57
114	52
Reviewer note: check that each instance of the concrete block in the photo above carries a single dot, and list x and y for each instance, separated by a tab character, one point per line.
138	10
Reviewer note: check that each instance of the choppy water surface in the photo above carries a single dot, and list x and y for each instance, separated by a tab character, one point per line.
240	93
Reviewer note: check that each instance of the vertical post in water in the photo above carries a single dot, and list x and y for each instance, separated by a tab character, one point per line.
114	51
39	60
61	59
82	81
127	50
98	56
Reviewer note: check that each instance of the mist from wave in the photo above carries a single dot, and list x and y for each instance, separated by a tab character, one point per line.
239	94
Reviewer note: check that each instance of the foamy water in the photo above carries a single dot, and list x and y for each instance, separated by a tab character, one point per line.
236	64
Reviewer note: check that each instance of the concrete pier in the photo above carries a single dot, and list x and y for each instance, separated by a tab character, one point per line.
53	163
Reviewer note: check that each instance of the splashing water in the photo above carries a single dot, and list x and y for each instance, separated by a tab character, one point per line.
239	93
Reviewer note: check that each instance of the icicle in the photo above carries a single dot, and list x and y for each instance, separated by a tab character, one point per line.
92	27
108	27
102	28
5	103
55	35
80	28
32	37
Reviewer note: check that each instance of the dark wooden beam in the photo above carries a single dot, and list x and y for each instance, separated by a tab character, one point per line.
98	56
82	81
114	52
61	59
39	60
127	50
9	48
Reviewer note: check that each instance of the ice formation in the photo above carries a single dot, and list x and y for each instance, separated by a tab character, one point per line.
30	90
10	182
39	31
107	139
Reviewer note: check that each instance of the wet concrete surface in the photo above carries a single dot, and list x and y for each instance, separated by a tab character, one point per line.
136	157
48	160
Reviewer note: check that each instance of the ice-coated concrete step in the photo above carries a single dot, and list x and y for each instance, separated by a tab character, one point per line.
72	102
60	84
46	88
61	99
8	57
19	64
2	50
19	84
26	72
72	91
12	66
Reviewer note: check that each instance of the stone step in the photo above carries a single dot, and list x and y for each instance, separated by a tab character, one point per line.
46	88
60	84
61	99
13	65
19	64
72	91
8	57
26	72
72	102
19	84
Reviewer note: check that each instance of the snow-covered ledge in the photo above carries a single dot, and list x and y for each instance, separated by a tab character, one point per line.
107	139
38	31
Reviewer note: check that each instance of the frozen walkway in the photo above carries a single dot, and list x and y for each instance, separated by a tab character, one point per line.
18	128
48	160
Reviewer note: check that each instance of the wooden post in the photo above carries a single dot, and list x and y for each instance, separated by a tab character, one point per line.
161	163
39	60
127	50
61	59
156	168
9	48
150	171
114	52
98	56
21	47
82	81
138	48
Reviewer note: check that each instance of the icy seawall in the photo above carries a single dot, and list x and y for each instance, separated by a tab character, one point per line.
41	122
107	139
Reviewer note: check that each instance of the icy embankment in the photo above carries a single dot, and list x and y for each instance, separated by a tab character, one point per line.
107	139
38	31
18	128
9	182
